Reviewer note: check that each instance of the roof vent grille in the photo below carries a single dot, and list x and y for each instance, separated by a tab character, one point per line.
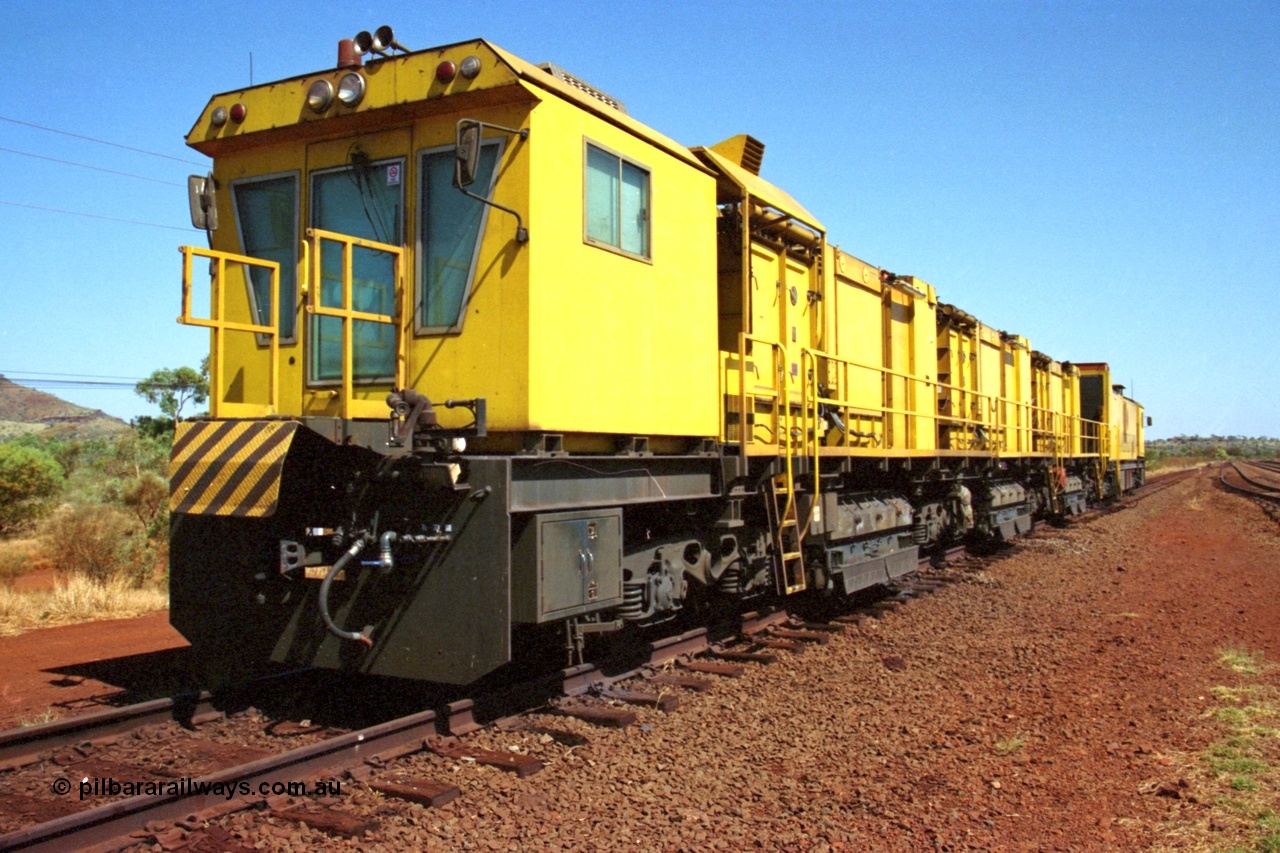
582	86
743	149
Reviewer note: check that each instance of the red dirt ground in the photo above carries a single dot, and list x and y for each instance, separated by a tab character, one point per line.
74	669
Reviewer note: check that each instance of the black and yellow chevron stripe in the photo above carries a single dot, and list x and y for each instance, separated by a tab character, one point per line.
228	467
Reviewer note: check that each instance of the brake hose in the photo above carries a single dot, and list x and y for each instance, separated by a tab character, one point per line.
360	636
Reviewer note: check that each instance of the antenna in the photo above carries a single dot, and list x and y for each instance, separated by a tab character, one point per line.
251	68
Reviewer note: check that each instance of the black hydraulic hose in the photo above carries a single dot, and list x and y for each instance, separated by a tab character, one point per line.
359	636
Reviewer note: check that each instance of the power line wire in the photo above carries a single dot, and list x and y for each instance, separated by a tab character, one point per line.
95	216
87	166
36	379
100	141
64	384
7	373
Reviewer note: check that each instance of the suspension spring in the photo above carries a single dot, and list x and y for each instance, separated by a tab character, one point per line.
731	581
632	607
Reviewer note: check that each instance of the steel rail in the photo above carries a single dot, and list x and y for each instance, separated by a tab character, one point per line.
1251	490
117	820
22	746
1269	487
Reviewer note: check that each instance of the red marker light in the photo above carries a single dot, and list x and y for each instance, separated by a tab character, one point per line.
446	71
238	112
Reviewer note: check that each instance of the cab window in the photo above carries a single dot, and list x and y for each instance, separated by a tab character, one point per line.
448	239
616	204
267	219
362	200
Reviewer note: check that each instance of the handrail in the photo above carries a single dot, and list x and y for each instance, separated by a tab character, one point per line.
776	390
349	406
220	325
1059	429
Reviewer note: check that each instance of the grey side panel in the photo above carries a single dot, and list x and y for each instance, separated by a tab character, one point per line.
879	569
904	562
551	483
863	575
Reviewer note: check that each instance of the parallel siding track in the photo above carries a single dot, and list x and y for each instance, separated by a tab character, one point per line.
1255	479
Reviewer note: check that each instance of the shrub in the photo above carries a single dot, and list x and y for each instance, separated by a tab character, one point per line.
29	481
148	497
99	542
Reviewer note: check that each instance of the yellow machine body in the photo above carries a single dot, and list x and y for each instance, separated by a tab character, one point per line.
495	368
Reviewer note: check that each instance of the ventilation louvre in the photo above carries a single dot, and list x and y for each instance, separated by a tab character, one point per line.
583	86
743	149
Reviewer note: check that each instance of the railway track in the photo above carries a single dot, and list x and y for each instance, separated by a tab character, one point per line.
1255	479
69	756
69	752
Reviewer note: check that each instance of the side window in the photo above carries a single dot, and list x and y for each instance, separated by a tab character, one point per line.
616	208
449	237
267	217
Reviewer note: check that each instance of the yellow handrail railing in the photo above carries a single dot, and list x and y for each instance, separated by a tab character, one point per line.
349	405
219	407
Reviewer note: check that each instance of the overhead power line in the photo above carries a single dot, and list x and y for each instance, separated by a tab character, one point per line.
101	141
37	380
9	374
87	166
94	216
66	384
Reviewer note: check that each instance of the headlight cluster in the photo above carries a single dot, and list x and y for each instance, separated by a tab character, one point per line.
321	93
350	88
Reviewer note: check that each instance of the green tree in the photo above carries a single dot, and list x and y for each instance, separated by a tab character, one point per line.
173	388
29	481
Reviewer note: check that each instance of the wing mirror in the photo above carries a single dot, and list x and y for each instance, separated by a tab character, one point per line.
467	157
202	197
466	164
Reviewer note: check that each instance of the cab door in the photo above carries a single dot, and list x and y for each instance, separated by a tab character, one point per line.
357	198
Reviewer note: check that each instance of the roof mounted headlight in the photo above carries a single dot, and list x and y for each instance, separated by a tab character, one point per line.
470	67
351	89
320	95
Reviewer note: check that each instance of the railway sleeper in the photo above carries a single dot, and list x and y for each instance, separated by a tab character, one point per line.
450	747
599	715
425	792
661	700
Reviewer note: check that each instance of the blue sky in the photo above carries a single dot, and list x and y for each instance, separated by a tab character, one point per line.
1101	178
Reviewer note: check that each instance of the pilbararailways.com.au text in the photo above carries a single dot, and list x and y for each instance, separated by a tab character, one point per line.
187	786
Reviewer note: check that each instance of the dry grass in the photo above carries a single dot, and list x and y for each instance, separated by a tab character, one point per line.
77	598
16	559
1241	661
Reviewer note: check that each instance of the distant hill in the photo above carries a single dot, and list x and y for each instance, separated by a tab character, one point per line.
24	410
